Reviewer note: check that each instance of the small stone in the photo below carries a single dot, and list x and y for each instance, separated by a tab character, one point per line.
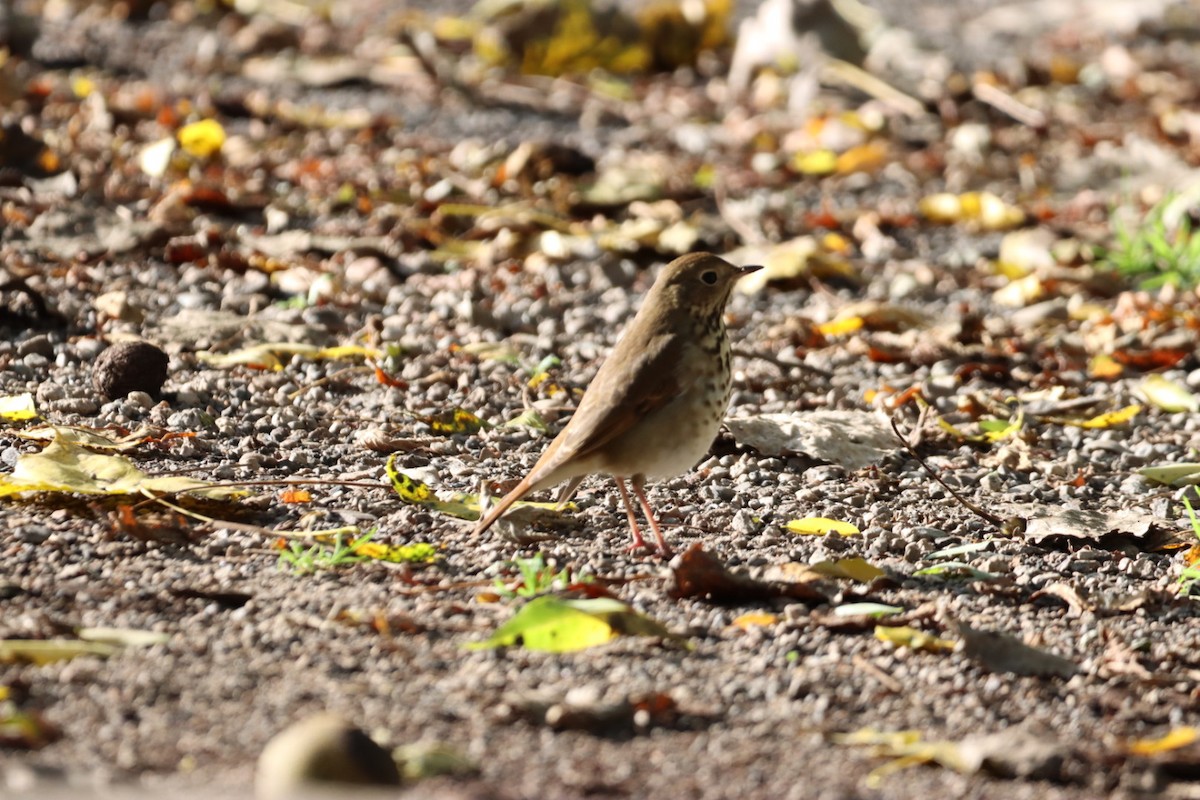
36	345
321	750
130	367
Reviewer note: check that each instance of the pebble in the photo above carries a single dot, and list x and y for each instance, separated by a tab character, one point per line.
39	345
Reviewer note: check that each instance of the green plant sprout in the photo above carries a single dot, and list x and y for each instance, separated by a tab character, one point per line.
537	578
1189	578
343	551
1153	254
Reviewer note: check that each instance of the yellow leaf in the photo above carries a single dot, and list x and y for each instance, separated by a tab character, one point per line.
984	209
862	158
457	420
755	619
991	211
66	467
855	569
47	651
941	207
1021	292
1104	368
1109	420
202	139
410	489
90	438
840	327
460	505
820	526
816	162
878	738
18	407
82	86
1168	395
1173	740
914	639
270	355
416	553
835	243
993	430
908	749
347	352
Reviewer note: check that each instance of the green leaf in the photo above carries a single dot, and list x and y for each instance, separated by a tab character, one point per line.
553	625
960	550
866	609
959	568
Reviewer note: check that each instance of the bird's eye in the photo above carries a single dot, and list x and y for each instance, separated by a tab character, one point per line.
709	277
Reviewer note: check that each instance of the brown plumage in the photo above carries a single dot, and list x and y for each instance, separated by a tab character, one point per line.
656	403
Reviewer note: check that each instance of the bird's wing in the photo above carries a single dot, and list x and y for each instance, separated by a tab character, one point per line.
645	380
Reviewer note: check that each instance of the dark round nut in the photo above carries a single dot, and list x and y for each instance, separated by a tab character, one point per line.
130	367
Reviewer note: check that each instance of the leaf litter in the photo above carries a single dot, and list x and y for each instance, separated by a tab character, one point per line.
437	218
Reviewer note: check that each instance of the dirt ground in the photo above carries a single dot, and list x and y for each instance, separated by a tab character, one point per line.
477	238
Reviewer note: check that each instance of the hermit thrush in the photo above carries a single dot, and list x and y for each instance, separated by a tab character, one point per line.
656	403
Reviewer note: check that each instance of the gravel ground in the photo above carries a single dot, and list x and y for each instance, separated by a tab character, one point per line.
740	710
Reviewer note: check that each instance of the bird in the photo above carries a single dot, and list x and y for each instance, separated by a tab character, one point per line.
657	401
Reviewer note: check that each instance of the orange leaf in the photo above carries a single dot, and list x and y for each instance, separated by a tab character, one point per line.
755	619
1163	358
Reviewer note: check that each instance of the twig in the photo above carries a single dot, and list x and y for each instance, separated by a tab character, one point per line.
1006	526
889	683
784	366
867	83
1007	104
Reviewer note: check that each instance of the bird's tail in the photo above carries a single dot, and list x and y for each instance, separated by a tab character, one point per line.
497	511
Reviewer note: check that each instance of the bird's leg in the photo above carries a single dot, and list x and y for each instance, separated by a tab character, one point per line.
638	542
638	481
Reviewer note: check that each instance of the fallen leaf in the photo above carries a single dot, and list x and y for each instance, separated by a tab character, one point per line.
46	651
957	567
982	209
1168	394
66	467
698	573
1185	474
123	637
18	407
855	569
821	526
851	439
904	636
875	610
1026	751
464	506
554	625
1067	594
202	139
754	619
999	652
155	157
1172	740
1110	420
1044	522
270	355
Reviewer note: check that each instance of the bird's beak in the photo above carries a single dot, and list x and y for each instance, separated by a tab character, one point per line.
748	269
